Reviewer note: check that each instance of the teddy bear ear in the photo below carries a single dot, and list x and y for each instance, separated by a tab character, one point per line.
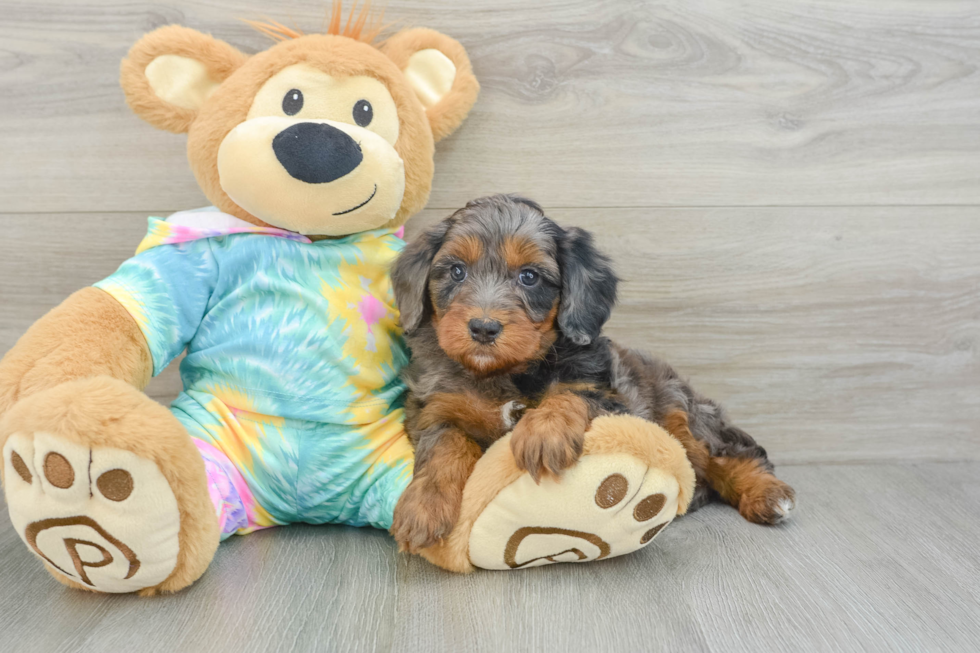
171	71
439	72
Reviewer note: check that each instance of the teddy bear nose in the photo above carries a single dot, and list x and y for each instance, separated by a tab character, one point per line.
316	152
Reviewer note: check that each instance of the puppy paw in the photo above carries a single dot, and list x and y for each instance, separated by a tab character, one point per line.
770	503
548	441
423	517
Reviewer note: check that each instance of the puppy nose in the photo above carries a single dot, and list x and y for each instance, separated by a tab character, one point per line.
485	331
316	152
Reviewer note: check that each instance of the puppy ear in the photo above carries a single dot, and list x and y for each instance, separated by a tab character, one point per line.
588	291
439	72
410	274
170	72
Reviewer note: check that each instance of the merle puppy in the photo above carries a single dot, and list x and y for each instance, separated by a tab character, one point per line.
503	310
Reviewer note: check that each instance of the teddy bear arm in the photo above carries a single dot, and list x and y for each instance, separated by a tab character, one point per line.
89	334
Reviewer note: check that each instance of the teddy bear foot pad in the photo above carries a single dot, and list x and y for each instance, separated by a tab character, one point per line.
607	505
101	517
632	480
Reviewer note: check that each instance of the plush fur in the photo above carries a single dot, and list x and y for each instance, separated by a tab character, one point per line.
336	55
448	114
219	58
545	293
89	334
241	77
101	411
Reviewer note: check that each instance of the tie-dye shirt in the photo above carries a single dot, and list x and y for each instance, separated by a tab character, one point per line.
293	356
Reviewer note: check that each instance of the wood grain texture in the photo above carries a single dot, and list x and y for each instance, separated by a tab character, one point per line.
790	193
879	558
831	334
619	103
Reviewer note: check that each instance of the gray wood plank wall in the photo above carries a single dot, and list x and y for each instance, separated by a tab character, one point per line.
789	190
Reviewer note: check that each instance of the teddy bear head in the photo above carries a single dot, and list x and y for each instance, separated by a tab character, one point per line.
321	134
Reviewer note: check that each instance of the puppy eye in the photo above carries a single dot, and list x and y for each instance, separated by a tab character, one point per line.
457	273
363	113
528	278
292	102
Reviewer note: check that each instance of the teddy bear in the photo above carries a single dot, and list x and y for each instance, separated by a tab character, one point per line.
313	153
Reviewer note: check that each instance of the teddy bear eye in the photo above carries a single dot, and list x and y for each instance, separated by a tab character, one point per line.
292	102
363	113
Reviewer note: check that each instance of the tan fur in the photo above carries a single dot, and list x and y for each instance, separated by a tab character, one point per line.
450	112
220	59
520	341
106	412
479	418
497	469
745	484
519	252
452	328
467	248
338	55
697	452
89	334
430	503
549	438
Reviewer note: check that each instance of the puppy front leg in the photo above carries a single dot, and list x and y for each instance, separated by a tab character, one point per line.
428	509
549	438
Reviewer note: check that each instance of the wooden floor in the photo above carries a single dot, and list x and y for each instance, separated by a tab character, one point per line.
881	558
791	192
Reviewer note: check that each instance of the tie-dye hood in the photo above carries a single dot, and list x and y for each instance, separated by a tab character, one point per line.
186	226
209	222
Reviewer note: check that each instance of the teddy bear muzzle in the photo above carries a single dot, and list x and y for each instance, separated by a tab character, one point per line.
315	177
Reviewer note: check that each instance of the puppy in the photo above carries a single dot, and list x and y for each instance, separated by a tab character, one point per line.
503	310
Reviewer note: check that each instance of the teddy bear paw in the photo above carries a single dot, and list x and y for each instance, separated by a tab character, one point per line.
102	518
605	506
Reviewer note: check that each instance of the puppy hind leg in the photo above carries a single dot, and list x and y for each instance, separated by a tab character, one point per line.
676	424
738	468
748	485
